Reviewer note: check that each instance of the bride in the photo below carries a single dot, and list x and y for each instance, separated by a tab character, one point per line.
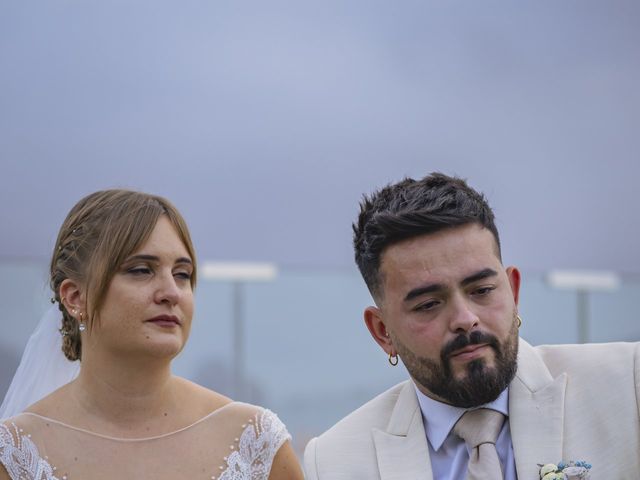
122	273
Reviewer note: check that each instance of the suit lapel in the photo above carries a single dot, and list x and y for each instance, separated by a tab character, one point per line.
402	450
536	414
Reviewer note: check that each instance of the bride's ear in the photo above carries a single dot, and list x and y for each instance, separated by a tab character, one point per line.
72	297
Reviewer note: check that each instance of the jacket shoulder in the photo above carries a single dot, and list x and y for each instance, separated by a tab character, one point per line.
593	359
347	449
373	414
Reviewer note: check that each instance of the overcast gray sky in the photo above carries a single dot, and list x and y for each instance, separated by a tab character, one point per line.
264	122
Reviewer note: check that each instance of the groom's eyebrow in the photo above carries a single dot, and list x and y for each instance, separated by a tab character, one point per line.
437	287
424	290
481	275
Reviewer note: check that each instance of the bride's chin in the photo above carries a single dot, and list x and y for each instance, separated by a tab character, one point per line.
165	348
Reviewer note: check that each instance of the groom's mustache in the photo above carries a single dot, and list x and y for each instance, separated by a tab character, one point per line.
474	338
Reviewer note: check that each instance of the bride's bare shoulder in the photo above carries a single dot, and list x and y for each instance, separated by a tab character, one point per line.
201	398
3	473
53	405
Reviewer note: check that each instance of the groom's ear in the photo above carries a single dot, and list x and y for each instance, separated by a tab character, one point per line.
374	321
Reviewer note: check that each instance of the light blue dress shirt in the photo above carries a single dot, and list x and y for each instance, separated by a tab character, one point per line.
448	453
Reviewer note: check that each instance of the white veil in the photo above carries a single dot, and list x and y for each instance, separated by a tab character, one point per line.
43	367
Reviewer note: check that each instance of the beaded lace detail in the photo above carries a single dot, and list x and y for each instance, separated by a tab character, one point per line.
21	458
251	454
258	444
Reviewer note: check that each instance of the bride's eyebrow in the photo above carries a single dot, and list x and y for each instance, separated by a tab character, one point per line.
140	257
154	258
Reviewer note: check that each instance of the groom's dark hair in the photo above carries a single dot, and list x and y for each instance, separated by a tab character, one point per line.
411	208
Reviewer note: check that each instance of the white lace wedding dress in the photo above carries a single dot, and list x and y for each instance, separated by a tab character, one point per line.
235	442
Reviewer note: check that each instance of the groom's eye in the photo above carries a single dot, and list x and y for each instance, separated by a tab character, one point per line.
427	305
483	290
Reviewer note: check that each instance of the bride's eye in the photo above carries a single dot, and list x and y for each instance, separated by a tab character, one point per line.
139	270
183	275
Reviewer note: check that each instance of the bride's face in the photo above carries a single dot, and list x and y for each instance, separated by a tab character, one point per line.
149	304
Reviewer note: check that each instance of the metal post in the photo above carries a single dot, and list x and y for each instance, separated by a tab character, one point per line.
238	342
239	273
583	316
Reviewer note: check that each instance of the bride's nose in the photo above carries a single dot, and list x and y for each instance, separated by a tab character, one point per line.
167	290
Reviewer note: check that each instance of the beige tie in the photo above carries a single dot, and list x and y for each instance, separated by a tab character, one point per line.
480	429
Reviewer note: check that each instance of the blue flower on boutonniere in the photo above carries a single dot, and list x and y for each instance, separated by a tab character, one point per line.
578	470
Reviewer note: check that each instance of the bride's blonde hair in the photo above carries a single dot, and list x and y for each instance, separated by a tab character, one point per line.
99	233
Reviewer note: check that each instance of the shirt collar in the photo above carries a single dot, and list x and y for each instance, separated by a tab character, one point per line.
439	418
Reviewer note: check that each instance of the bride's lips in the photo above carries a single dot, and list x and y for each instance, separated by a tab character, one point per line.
166	321
469	352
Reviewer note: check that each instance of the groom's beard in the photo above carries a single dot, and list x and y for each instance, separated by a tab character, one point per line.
481	384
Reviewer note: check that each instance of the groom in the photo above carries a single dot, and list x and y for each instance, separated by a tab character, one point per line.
481	402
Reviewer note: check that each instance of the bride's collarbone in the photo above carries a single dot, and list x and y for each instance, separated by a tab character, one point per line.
188	404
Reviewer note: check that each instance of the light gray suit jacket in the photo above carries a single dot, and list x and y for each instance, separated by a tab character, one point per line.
566	402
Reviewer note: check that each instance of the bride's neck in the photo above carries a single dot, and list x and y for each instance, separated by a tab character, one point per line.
120	391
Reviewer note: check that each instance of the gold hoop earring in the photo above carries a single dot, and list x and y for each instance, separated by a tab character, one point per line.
391	357
519	320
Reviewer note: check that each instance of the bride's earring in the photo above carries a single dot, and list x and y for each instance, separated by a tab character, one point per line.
82	327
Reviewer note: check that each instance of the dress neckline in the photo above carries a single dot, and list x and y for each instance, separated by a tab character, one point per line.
119	439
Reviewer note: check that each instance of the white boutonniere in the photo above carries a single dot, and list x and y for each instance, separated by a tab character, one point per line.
579	470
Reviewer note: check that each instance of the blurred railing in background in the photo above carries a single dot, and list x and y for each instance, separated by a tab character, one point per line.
308	355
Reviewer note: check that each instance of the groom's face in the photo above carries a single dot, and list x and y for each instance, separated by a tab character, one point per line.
449	307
